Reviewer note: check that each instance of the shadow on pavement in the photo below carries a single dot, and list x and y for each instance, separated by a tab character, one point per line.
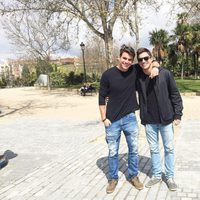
8	154
14	110
144	165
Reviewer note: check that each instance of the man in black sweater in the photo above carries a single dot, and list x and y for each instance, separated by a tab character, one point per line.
160	106
118	114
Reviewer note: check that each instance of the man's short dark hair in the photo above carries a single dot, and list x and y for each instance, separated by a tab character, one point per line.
142	50
127	49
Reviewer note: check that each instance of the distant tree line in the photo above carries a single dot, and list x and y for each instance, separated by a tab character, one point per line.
59	76
43	28
179	52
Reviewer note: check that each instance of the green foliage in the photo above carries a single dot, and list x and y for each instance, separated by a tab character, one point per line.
74	79
159	38
4	78
18	82
93	77
43	67
61	79
3	81
25	72
55	67
28	79
184	48
57	79
96	84
188	85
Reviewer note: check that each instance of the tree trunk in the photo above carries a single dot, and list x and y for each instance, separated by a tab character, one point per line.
187	62
137	37
159	55
109	49
182	67
197	64
194	64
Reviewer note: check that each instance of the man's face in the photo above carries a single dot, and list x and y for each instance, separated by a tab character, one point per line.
144	60
125	61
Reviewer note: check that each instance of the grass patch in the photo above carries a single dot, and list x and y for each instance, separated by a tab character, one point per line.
188	85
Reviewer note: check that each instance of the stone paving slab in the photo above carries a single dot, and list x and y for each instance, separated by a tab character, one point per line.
187	166
61	160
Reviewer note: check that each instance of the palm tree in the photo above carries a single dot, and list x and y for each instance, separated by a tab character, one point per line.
159	39
195	47
172	56
183	36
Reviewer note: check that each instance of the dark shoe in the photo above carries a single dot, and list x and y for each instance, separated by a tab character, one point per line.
171	184
135	181
153	181
111	186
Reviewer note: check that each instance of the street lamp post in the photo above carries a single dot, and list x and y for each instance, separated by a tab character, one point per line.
83	49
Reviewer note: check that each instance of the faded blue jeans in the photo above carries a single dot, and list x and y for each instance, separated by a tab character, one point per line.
167	134
127	124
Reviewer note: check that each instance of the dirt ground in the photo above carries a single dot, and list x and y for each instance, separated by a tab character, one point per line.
68	105
64	104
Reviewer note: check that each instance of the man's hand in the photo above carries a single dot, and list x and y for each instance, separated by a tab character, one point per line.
154	71
177	122
107	122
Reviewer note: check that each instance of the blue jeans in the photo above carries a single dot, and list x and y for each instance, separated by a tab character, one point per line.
127	124
167	134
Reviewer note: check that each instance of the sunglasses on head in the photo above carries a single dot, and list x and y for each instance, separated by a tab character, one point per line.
145	58
124	46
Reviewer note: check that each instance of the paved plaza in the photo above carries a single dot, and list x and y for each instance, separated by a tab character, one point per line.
64	157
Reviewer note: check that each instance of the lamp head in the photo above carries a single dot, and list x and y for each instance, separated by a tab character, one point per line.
82	45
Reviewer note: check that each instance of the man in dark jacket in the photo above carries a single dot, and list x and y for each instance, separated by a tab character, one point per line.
160	106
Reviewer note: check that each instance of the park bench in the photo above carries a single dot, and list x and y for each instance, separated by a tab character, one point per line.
90	90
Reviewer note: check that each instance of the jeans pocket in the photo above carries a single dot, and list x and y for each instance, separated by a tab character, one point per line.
131	116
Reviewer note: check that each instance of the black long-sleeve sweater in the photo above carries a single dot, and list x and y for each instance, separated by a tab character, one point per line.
119	87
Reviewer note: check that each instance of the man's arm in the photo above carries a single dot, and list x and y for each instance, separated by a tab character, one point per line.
155	71
105	120
102	109
175	99
103	97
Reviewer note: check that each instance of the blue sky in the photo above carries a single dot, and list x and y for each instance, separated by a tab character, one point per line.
153	20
